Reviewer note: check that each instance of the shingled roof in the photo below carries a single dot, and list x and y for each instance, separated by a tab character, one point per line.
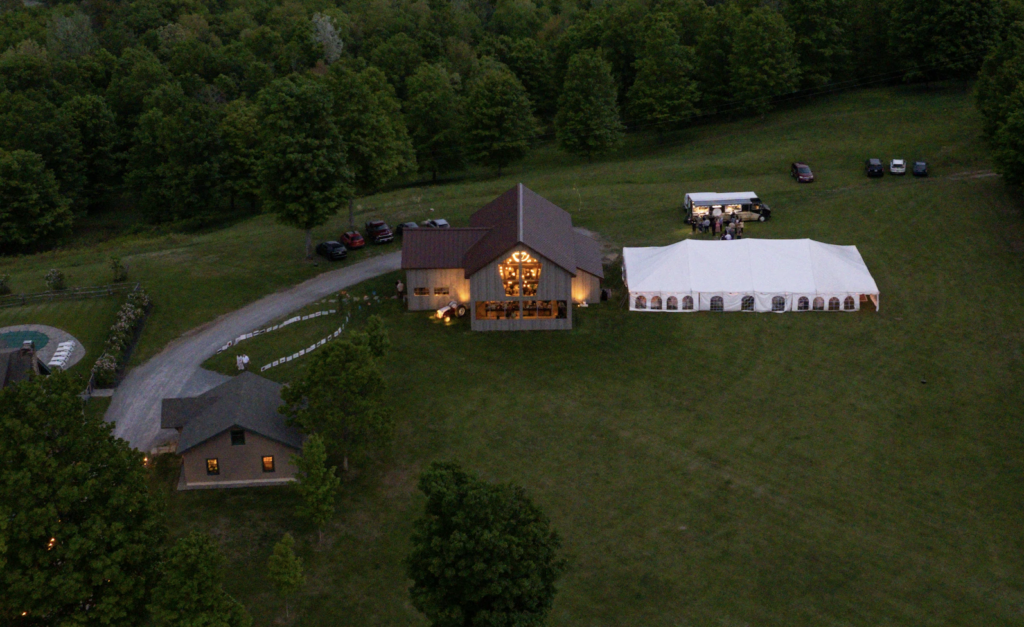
248	401
18	364
519	216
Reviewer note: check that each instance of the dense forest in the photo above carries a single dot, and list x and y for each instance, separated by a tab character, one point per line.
188	111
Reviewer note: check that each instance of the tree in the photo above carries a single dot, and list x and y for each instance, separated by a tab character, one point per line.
341	397
516	18
240	159
1008	140
819	28
999	78
316	483
665	93
943	38
191	592
434	116
303	169
173	173
82	530
70	36
325	35
377	336
398	58
588	117
500	124
32	210
138	72
714	50
532	65
284	569
96	127
763	64
482	554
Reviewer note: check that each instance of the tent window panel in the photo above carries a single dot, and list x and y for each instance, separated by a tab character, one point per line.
778	303
848	304
656	302
747	304
819	304
688	303
803	304
672	304
717	303
641	302
833	304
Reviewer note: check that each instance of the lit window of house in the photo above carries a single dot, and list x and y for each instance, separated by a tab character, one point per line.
212	467
268	463
421	291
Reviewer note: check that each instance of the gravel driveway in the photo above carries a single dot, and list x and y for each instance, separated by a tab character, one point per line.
175	372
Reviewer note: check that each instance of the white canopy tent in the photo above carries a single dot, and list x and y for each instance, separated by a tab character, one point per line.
747	275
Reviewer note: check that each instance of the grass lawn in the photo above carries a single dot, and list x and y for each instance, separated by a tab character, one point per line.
89	320
819	469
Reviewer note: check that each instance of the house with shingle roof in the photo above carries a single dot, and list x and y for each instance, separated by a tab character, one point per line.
233	435
520	265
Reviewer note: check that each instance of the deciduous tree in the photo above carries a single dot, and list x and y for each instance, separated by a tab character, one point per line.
1000	76
500	123
303	170
588	116
943	38
316	483
434	115
482	554
82	530
763	63
32	210
819	28
191	591
377	336
665	92
240	156
284	569
96	127
341	397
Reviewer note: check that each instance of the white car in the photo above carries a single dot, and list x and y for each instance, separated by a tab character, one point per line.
897	166
439	223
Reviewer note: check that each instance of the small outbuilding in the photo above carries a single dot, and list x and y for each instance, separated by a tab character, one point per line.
18	364
747	275
233	435
520	265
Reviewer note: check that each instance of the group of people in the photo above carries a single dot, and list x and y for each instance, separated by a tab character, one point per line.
724	227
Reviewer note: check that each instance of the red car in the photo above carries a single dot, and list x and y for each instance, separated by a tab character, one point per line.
352	240
801	172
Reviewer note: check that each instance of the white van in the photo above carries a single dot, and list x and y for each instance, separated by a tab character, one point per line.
745	205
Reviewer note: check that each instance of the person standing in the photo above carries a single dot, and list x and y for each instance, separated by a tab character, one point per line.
707	225
693	225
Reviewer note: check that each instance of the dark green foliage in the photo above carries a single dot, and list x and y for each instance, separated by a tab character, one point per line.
97	131
819	27
434	115
999	78
533	66
303	170
588	117
665	92
763	63
341	397
516	18
138	72
33	213
500	123
483	554
377	336
173	172
398	58
284	569
316	483
1008	139
240	152
943	38
190	592
82	534
714	51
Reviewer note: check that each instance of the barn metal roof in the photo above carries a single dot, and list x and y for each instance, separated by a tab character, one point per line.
429	249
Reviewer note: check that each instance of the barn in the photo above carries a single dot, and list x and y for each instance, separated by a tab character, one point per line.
519	266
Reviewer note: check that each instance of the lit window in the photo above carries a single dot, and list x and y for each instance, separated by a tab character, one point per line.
497	309
672	304
688	303
520	274
848	304
641	302
440	291
819	304
656	302
421	291
833	304
212	467
237	437
268	463
778	303
717	304
803	304
547	309
747	304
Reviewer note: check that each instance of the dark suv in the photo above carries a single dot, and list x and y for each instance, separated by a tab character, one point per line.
801	172
378	232
874	167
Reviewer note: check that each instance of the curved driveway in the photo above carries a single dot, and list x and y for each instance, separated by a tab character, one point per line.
176	371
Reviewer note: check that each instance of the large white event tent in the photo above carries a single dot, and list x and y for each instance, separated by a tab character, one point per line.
747	275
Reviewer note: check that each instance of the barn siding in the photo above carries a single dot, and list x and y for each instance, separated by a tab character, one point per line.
555	284
452	278
586	287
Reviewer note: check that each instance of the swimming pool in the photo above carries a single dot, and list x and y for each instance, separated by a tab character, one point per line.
14	339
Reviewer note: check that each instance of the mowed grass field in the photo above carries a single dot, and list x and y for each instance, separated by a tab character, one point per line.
770	470
88	320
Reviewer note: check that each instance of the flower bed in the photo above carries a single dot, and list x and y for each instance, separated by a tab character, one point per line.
121	339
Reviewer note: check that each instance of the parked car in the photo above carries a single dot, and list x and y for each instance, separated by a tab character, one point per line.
452	310
379	232
435	224
920	168
801	172
353	240
405	226
898	166
333	251
874	167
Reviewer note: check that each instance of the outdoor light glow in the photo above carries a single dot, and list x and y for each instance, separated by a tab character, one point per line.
53	542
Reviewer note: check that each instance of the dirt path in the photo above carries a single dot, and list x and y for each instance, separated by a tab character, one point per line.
175	372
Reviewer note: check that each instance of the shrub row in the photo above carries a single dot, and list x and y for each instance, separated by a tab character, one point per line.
119	340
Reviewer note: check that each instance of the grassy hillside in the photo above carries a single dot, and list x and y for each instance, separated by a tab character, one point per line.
819	469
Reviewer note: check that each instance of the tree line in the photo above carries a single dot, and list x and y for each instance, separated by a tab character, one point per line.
191	110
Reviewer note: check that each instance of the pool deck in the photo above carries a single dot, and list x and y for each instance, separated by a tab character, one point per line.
56	337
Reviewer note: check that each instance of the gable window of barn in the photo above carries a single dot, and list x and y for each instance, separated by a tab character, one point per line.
520	274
